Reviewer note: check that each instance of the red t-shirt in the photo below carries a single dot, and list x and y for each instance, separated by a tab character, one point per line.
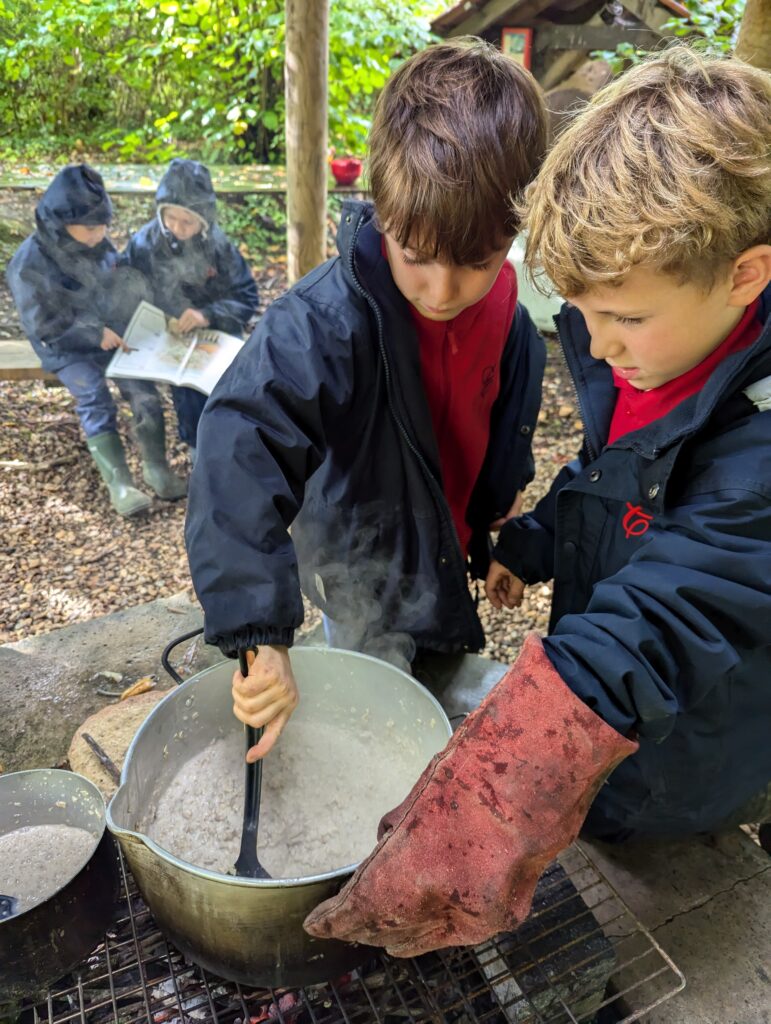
636	408
460	364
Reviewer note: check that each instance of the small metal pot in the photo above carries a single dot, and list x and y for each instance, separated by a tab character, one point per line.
250	930
40	945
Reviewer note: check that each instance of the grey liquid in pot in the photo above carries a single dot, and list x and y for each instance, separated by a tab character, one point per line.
324	790
36	861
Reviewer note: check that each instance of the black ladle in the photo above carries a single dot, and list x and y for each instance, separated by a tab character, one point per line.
8	907
247	865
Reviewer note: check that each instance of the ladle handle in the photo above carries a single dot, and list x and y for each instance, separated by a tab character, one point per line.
253	771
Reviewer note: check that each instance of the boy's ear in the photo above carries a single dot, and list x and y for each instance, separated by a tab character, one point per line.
750	275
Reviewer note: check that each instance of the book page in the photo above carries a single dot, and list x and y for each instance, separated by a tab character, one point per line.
195	360
155	352
209	357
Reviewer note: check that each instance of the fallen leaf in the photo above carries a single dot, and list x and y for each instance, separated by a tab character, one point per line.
140	686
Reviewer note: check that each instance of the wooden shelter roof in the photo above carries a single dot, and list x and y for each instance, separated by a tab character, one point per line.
521	10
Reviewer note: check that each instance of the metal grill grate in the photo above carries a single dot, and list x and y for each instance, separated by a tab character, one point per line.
580	957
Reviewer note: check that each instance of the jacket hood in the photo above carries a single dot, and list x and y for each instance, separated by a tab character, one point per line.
76	196
188	183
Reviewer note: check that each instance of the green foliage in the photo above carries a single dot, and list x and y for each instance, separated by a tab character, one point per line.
257	221
153	78
713	26
367	41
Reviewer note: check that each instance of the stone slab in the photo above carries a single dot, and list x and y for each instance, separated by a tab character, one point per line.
724	949
707	902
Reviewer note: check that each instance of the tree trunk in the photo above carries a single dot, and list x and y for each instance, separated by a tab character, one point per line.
754	42
305	71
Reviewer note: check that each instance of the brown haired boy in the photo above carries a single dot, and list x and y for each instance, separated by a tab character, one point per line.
651	214
385	406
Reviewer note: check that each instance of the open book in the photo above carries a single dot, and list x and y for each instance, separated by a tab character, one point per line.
195	360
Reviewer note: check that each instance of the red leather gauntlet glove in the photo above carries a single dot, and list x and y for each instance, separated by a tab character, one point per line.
459	859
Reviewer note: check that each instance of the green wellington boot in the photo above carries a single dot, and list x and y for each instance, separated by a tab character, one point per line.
107	452
150	436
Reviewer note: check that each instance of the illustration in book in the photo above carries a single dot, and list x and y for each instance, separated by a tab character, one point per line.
157	351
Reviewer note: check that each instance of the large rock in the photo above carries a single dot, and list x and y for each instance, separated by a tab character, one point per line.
48	683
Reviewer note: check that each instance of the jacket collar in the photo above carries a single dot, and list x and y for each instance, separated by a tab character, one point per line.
360	248
352	216
597	395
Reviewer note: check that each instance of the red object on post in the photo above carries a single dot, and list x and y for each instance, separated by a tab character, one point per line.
346	169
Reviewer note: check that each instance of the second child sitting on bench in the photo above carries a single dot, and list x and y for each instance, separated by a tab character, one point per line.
194	272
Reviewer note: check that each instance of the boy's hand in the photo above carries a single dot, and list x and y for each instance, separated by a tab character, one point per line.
111	340
503	587
266	697
191	319
514	511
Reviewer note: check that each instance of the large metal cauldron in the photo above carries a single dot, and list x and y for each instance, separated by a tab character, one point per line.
43	943
250	930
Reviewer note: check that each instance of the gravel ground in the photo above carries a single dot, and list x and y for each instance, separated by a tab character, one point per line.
66	557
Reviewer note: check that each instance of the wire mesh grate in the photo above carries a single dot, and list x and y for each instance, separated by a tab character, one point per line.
580	958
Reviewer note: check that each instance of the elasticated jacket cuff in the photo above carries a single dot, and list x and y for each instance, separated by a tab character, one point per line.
252	637
525	552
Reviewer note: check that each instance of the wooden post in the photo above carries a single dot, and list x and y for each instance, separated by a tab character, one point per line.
754	42
306	68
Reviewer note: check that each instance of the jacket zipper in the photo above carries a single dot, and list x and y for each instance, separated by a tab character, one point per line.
438	496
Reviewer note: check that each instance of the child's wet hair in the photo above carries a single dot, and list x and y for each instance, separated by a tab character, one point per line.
668	167
458	132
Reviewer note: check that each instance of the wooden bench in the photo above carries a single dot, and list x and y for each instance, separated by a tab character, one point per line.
18	361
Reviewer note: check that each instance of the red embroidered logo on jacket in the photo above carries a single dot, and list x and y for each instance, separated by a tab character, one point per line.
636	522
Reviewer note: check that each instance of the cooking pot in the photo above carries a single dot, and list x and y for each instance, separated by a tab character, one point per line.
250	930
40	945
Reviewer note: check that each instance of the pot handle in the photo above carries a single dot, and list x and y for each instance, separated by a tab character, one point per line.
170	647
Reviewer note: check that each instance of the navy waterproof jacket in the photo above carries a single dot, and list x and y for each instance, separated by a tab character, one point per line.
206	272
660	549
322	423
60	286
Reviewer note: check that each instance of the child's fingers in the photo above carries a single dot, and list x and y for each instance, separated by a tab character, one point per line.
262	717
515	590
491	592
496	585
503	588
276	697
268	739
